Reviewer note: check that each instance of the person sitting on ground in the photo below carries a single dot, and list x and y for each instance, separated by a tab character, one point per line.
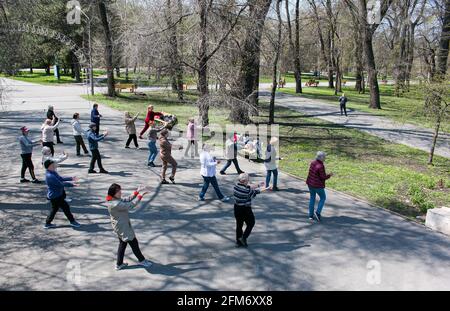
118	209
243	195
208	165
130	127
57	195
48	129
47	155
93	139
78	134
316	184
150	118
52	116
26	147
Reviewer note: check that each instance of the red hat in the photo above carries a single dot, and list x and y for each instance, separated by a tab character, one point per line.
24	129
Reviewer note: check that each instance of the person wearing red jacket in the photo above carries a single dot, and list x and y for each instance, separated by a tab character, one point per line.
316	184
150	118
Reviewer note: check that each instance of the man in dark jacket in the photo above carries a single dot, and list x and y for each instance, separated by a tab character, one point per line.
343	104
95	118
93	139
57	195
316	184
52	116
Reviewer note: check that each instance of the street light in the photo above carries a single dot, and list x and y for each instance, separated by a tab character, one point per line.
91	70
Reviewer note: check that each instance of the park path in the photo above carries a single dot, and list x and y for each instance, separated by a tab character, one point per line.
356	247
371	123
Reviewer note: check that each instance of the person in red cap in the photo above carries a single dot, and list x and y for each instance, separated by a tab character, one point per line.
26	146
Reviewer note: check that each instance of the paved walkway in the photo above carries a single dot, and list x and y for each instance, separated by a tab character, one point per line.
191	242
406	134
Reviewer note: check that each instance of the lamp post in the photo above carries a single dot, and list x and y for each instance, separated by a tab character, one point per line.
91	69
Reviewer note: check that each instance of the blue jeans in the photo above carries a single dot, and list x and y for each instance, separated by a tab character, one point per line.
153	151
312	200
213	182
275	177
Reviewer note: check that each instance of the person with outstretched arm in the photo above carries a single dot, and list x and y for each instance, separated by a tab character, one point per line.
48	129
243	195
149	119
57	195
119	209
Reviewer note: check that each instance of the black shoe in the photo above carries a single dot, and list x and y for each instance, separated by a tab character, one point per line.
22	180
243	242
92	172
151	164
275	189
172	179
241	172
238	244
164	181
78	155
222	173
59	142
127	147
104	172
36	181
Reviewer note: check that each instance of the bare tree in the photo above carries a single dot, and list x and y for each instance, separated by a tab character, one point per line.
442	56
108	47
277	47
295	44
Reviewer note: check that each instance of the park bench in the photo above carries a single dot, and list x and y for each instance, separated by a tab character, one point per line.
125	86
312	82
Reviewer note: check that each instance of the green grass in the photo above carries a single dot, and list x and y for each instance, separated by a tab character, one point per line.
41	78
406	109
390	175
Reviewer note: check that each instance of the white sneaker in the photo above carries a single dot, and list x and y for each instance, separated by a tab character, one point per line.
68	200
145	263
122	266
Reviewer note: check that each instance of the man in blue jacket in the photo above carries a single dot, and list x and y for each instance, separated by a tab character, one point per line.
93	139
56	194
95	118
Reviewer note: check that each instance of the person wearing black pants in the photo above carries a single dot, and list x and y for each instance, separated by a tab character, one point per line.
132	137
118	209
93	139
26	146
78	134
343	104
51	115
57	195
243	195
231	155
130	127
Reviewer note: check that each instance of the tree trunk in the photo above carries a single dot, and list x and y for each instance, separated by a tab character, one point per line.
435	137
108	48
295	45
203	64
275	66
372	73
76	68
248	81
410	55
442	57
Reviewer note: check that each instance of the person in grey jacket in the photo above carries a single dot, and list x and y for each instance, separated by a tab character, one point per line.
130	127
118	209
26	146
78	134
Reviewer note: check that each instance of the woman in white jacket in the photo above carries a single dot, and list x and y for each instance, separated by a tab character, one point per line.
208	172
78	134
48	130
